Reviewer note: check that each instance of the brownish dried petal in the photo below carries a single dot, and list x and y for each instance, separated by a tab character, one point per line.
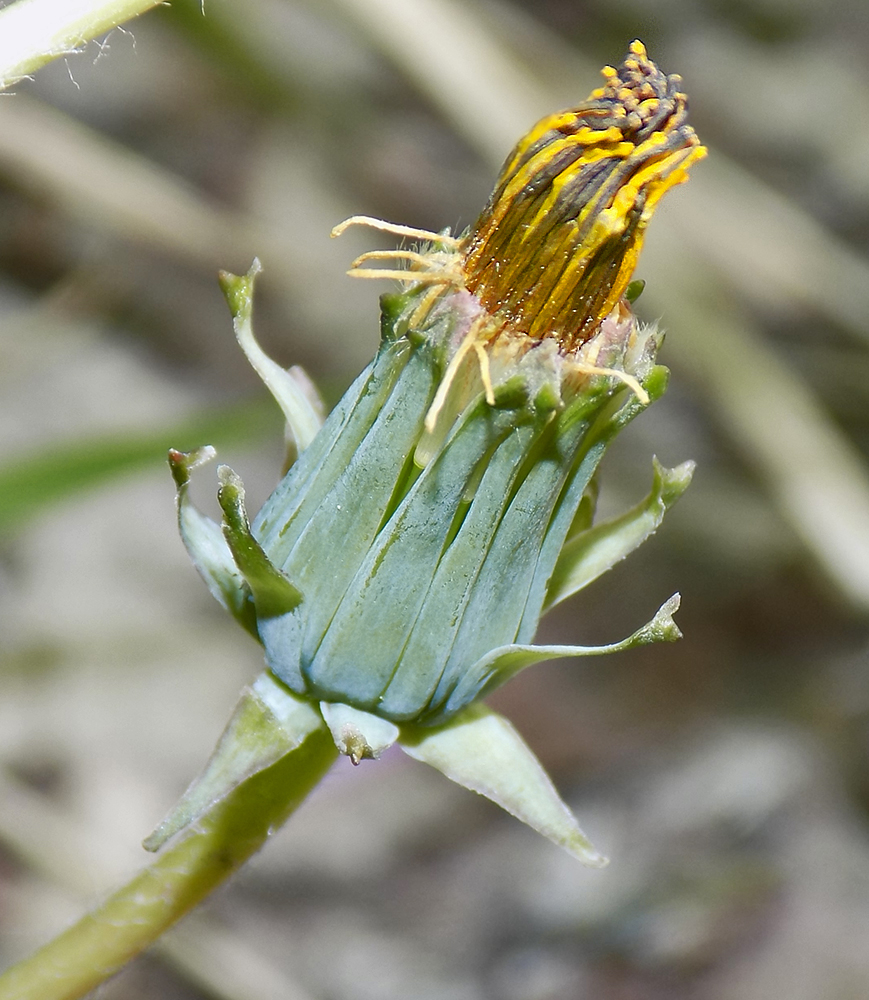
555	248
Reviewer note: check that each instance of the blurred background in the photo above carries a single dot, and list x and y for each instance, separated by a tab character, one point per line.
726	776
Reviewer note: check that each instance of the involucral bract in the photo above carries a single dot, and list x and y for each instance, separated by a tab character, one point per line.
399	571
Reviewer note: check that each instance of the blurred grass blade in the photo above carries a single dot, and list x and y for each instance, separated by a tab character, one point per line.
816	476
111	188
787	259
102	183
33	32
451	57
31	483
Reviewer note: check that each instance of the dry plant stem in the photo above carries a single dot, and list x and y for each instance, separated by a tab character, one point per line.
101	943
33	32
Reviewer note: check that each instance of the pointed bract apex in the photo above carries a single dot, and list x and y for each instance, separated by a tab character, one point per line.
206	545
238	290
662	628
589	553
480	750
358	735
292	390
499	665
182	463
273	593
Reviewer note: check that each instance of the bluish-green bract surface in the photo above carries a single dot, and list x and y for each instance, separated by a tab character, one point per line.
409	576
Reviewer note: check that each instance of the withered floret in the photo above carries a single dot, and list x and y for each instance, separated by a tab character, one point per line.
555	248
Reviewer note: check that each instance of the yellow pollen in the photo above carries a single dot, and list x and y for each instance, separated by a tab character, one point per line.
556	246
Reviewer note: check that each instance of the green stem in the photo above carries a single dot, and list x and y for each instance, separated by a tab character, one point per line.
33	32
104	940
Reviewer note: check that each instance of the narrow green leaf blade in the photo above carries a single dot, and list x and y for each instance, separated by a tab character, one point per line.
42	477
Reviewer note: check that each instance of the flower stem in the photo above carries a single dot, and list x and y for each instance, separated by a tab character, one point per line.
101	942
33	32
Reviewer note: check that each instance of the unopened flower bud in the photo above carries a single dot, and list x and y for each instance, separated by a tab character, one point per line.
400	569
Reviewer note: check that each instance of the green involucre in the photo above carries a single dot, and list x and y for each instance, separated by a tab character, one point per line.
417	551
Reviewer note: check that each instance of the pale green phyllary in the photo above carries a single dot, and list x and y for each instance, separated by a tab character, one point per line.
399	571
